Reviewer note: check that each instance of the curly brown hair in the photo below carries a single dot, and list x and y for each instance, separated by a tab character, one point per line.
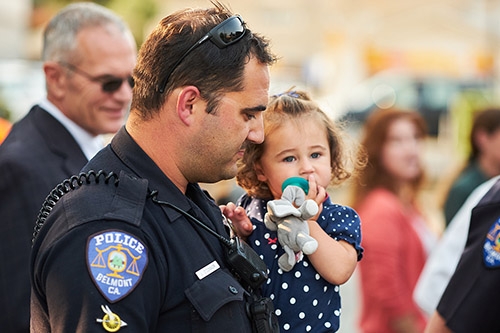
294	105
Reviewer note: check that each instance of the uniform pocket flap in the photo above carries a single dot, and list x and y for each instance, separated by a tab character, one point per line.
213	291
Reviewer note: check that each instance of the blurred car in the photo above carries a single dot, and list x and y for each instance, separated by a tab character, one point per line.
429	95
22	84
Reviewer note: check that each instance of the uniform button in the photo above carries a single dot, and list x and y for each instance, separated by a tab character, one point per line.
233	290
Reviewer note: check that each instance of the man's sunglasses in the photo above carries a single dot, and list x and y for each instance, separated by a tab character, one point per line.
109	83
224	34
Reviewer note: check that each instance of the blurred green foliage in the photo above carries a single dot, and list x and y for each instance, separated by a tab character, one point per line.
462	110
137	13
4	110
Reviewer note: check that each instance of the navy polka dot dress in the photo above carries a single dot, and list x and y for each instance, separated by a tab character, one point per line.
303	300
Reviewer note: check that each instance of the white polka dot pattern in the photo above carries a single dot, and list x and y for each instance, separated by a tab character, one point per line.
303	300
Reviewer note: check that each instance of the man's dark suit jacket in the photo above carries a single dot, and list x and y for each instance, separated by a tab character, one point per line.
38	154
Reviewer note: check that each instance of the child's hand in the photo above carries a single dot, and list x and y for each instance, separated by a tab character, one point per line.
316	193
241	224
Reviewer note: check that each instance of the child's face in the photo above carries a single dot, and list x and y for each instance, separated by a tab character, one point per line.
295	150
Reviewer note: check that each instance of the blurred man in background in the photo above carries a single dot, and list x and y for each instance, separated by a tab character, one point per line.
483	162
89	54
470	301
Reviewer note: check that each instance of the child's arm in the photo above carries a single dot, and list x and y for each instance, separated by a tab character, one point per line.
334	260
241	224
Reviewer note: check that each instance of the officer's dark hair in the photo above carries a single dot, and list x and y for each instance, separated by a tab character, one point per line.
212	70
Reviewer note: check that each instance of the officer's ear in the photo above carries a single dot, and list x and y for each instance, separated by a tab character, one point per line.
189	102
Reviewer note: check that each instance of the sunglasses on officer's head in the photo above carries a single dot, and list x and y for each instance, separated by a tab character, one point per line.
224	34
109	83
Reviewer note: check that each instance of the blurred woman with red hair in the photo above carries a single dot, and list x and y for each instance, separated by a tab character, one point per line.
395	236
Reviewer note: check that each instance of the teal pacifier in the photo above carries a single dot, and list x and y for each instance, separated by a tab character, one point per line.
296	181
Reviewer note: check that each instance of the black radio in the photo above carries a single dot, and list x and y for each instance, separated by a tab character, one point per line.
261	310
246	263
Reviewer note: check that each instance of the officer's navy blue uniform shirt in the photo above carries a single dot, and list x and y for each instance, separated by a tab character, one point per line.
108	255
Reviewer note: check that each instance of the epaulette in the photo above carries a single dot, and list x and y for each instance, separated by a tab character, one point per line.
97	195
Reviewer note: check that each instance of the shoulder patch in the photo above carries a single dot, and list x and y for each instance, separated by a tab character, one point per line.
116	262
491	247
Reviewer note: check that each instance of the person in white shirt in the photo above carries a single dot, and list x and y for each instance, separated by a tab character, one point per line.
444	258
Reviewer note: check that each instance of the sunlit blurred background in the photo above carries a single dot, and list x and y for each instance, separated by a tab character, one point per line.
439	57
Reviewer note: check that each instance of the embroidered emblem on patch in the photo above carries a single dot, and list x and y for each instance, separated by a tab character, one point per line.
116	262
111	322
491	247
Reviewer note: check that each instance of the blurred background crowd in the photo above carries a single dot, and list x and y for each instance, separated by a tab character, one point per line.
440	58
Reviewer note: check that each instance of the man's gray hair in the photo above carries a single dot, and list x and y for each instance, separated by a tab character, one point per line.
59	38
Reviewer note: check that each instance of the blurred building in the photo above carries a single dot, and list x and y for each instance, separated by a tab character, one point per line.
14	27
330	45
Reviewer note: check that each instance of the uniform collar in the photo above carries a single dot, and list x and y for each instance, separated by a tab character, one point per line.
195	201
132	155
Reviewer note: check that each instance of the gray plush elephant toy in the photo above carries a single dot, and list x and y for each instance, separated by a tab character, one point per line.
289	216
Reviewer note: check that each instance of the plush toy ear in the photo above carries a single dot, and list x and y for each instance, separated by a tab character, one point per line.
270	221
282	208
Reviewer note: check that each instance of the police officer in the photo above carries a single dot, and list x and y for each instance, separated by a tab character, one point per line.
470	301
123	248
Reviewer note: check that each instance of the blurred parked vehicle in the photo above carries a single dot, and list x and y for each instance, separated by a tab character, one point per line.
430	95
22	84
